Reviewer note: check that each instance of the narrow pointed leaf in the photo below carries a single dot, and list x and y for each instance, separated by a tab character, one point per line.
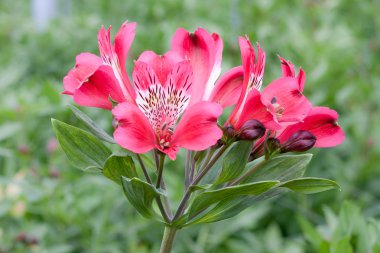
229	208
208	198
309	185
141	195
282	168
83	149
91	125
234	162
118	166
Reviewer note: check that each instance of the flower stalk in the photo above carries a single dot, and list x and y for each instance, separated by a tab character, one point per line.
168	239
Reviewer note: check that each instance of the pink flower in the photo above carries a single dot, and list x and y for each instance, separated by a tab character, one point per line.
95	80
283	97
164	86
322	122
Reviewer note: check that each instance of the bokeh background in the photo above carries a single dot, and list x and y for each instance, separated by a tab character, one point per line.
46	205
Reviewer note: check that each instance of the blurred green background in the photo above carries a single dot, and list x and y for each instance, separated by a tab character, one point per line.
48	206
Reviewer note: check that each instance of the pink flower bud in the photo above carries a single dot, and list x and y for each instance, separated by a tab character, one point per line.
251	130
300	141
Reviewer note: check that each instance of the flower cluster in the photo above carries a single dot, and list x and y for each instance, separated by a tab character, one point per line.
174	100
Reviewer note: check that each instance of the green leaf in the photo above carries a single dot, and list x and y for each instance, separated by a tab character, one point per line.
309	185
141	195
118	166
207	198
229	208
282	167
91	125
83	149
234	162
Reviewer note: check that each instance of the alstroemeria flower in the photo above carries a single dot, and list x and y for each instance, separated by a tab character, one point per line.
95	80
250	105
322	122
164	88
283	96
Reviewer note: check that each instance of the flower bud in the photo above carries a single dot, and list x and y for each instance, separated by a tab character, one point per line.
300	141
251	130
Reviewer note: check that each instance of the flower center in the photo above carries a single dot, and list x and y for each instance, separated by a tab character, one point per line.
279	110
164	104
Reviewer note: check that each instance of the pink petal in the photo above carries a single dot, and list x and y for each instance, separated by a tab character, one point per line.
123	41
255	109
86	64
198	129
301	78
162	65
322	123
99	88
285	100
111	57
204	52
216	68
288	71
228	88
144	76
181	77
171	152
287	68
134	131
247	55
253	69
253	75
105	47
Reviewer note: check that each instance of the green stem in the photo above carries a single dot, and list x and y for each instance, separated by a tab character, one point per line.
148	179
160	171
167	206
168	239
187	168
160	167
